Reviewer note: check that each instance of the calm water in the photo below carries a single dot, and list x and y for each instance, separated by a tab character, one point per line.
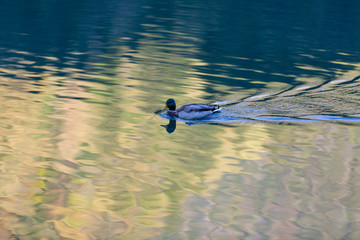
84	156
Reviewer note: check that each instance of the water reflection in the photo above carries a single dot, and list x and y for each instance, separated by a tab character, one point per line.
83	157
171	126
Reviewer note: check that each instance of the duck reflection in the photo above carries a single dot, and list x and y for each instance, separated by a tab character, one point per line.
170	128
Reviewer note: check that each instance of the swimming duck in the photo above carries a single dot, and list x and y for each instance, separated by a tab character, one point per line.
190	111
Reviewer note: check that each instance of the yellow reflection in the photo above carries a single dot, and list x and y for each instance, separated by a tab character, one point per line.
81	157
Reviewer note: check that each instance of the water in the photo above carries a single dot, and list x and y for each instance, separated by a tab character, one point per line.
84	156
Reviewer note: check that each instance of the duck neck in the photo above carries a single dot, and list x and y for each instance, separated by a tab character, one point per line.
172	107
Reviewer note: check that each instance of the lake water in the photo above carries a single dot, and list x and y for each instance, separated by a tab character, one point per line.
84	153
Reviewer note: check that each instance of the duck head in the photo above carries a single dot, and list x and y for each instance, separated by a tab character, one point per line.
170	104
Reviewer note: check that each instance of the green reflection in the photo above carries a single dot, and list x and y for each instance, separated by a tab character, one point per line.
84	157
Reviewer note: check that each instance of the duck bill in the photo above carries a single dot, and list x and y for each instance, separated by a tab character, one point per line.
164	108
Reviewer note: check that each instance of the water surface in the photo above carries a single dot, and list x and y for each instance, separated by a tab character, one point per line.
84	156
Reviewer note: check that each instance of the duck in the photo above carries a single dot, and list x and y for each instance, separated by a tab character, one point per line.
190	111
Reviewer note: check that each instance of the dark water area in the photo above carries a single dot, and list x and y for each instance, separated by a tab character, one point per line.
251	43
86	154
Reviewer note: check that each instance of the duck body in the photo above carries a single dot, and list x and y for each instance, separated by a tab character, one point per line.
190	111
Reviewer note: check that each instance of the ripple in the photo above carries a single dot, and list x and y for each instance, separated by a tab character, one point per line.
305	104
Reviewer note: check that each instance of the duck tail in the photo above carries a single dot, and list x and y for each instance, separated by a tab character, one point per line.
216	108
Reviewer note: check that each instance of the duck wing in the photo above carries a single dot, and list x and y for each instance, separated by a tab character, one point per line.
197	107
